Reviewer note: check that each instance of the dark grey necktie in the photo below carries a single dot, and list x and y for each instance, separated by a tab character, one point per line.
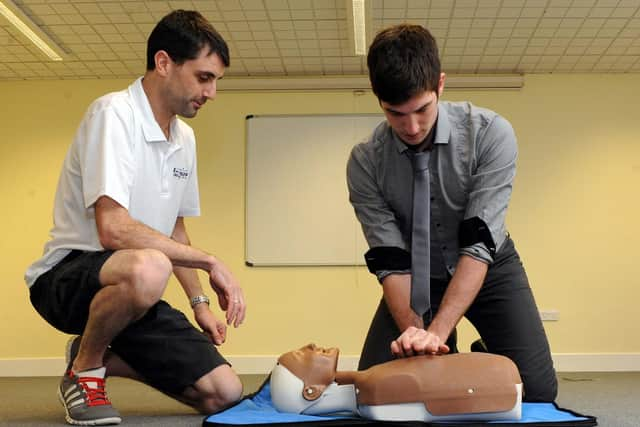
420	239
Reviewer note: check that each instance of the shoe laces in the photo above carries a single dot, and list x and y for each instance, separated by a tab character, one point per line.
94	390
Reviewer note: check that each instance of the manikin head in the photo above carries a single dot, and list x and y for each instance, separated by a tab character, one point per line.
303	382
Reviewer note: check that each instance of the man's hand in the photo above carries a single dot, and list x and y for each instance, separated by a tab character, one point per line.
212	327
415	341
230	296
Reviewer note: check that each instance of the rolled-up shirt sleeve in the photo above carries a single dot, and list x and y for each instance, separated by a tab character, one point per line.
378	221
491	186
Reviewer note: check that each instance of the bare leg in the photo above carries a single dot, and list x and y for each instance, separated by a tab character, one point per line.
214	391
133	281
116	367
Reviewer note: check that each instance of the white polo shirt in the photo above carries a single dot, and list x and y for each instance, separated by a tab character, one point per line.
120	151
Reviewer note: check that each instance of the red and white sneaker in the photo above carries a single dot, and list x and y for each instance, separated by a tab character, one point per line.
85	399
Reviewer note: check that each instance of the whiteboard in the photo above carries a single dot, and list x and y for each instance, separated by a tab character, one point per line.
297	202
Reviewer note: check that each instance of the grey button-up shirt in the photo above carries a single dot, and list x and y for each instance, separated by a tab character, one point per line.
472	167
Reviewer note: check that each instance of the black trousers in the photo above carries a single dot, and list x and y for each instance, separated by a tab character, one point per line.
504	314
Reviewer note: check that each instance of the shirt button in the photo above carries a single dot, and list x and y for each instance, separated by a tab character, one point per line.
444	248
438	224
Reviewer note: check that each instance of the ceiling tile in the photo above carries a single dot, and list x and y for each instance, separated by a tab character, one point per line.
532	12
234	15
577	12
529	32
596	50
608	32
286	35
52	20
587	33
298	14
630	33
259	26
267	46
255	15
306	35
279	15
616	23
554	50
600	12
621	42
268	51
624	12
311	46
439	13
566	32
288	54
509	12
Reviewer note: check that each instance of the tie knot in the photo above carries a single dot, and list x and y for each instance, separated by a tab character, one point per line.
420	160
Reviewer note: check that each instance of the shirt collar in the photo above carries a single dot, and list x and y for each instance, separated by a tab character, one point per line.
443	127
150	127
443	130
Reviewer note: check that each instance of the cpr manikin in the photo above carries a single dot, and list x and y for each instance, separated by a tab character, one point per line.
460	387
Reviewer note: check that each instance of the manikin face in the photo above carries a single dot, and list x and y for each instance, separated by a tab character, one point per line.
301	377
314	366
192	83
413	119
310	355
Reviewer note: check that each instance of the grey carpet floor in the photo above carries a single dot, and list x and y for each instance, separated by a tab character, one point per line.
31	402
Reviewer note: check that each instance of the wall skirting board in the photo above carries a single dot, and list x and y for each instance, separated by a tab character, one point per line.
564	362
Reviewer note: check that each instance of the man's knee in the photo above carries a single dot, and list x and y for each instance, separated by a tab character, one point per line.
538	376
219	389
147	276
540	389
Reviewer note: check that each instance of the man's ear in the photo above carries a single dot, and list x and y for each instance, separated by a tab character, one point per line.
163	62
443	77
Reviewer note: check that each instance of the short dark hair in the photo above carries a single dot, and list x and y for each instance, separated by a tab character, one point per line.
183	34
403	61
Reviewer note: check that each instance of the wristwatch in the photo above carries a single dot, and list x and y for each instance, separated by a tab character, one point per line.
199	299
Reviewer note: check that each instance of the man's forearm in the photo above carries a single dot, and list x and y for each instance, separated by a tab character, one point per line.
461	291
135	235
397	293
188	277
189	280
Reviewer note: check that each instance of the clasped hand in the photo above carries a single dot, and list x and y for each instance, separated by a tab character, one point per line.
417	341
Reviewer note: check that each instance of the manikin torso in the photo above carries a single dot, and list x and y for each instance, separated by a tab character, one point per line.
469	386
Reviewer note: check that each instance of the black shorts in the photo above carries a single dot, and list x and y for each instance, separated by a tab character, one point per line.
163	346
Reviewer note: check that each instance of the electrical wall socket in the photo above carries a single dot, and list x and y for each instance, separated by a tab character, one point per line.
550	315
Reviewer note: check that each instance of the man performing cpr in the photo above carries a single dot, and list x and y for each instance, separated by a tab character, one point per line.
430	187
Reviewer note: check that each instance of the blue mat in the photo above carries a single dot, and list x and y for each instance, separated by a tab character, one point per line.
258	410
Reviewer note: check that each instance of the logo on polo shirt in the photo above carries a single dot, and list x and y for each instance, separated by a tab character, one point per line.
180	173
